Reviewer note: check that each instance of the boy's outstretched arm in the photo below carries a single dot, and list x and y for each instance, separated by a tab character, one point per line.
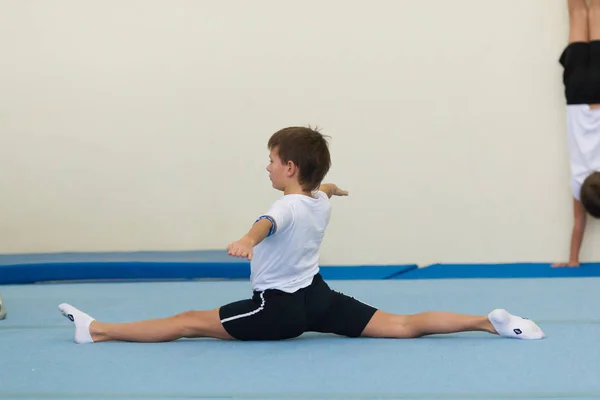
259	231
577	233
331	189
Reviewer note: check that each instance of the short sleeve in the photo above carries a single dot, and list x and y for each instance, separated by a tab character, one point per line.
282	214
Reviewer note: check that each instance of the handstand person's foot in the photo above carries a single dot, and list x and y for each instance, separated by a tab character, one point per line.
81	320
512	326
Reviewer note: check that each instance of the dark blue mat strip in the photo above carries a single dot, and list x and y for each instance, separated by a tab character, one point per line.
216	264
516	270
34	268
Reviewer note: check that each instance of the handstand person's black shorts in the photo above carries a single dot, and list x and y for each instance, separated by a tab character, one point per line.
277	315
581	74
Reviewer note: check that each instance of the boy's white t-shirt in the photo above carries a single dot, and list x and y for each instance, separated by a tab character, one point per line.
583	139
289	258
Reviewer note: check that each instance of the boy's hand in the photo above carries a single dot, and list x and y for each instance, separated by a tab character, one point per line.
339	192
241	248
332	189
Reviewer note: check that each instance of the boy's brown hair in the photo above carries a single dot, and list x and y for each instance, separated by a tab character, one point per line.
590	194
308	149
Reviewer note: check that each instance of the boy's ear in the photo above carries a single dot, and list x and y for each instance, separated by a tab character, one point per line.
291	168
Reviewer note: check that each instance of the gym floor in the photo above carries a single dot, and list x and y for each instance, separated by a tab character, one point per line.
41	361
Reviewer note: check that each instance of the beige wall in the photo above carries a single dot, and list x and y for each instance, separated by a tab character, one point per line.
142	125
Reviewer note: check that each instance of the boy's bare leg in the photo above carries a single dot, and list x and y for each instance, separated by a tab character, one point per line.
499	322
578	21
189	324
594	20
594	27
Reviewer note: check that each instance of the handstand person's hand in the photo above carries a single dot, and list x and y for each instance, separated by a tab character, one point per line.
570	264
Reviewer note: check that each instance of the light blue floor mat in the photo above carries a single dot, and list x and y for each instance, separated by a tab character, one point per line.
41	361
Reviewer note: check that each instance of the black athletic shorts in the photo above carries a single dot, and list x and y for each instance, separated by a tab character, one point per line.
581	75
277	315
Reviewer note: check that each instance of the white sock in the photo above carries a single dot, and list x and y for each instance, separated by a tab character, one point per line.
81	320
512	326
2	309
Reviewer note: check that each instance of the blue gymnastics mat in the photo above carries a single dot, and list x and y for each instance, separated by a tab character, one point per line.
216	264
41	361
507	271
178	265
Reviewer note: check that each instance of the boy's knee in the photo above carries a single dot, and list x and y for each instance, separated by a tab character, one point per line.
191	323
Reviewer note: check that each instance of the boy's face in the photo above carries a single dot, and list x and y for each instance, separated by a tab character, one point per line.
278	172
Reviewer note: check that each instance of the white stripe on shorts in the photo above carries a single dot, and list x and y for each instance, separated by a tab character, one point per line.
248	314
